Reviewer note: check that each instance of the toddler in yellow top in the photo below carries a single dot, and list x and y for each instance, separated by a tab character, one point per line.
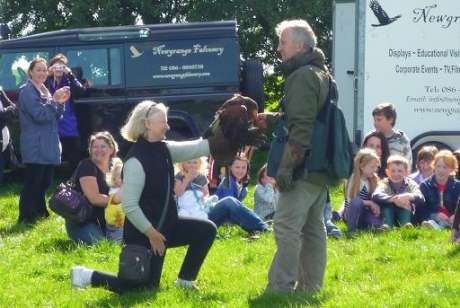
114	215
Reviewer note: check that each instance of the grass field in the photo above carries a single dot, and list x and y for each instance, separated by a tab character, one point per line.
402	268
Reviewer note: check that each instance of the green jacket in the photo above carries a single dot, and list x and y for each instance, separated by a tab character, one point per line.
305	90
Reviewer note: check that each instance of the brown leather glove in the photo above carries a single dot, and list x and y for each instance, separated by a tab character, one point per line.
254	136
293	156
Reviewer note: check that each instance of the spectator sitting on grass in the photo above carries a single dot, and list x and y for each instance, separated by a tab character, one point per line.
360	211
193	199
266	195
441	193
113	213
331	229
378	142
425	159
91	180
231	196
397	194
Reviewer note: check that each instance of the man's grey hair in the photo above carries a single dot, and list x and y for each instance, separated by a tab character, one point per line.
301	31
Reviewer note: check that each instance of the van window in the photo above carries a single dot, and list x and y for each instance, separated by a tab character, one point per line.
100	66
14	66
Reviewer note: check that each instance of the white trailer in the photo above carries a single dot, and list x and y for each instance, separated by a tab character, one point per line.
403	52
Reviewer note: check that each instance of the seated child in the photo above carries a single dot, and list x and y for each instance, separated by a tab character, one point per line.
266	195
441	193
360	211
230	208
331	229
191	189
424	164
397	195
114	215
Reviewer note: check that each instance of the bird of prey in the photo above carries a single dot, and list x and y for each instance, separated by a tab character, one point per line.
381	15
233	128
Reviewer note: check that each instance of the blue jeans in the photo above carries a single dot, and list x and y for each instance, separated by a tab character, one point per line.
231	210
114	233
394	214
87	233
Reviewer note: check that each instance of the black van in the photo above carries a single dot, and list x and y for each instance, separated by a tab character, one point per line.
191	67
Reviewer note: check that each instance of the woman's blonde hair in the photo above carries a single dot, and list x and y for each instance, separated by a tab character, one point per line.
135	125
448	158
203	169
363	157
115	171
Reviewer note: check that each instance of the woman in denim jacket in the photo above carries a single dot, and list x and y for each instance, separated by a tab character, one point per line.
39	113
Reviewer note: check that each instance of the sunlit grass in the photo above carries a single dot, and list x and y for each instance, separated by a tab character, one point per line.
402	268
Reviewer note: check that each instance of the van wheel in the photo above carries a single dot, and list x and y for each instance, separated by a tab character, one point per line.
437	144
252	83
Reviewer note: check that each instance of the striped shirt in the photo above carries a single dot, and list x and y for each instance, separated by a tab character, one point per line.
363	193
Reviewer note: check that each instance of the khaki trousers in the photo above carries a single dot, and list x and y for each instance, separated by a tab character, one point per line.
300	239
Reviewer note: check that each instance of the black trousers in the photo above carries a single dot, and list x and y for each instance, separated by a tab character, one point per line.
32	204
197	234
71	151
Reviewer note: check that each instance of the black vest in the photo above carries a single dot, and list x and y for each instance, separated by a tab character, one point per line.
157	164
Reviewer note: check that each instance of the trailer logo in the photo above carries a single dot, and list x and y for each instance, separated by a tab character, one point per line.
427	15
381	15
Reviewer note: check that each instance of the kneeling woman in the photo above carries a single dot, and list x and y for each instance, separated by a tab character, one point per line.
149	204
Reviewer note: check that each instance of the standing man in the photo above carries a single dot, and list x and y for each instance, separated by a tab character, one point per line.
300	259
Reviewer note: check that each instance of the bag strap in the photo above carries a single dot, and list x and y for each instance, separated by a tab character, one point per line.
165	207
73	178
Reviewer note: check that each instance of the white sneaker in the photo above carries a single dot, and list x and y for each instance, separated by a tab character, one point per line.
431	224
186	284
80	277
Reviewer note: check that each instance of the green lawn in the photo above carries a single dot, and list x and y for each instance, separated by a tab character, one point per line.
402	268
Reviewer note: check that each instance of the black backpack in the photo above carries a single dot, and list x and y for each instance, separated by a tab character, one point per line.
331	149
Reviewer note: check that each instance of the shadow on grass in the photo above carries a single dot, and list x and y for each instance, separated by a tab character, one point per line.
15	229
127	299
455	251
57	244
287	300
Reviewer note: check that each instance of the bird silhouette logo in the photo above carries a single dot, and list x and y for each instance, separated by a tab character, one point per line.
135	53
381	15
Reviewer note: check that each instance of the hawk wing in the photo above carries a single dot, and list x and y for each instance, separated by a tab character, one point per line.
381	15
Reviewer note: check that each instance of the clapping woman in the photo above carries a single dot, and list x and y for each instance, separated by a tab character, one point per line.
39	113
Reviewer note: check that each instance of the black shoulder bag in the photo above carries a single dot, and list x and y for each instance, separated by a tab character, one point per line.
135	260
69	203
